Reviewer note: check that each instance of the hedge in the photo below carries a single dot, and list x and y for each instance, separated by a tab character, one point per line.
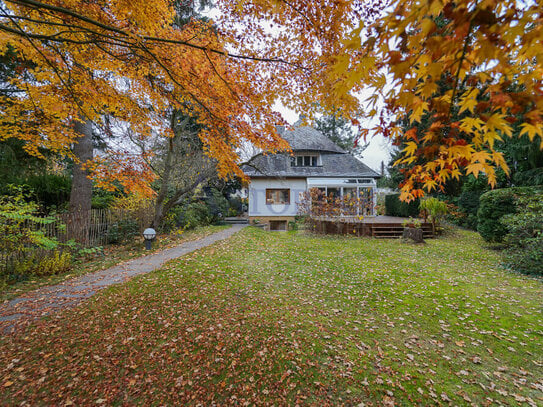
495	204
524	239
395	207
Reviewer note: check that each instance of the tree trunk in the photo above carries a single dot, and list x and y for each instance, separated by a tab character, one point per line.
81	192
164	186
415	234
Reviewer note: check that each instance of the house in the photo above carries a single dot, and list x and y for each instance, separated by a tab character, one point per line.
277	181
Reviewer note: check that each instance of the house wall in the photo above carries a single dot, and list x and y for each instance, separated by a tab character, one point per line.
257	197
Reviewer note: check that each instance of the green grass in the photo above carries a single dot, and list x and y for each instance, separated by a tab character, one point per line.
111	256
286	318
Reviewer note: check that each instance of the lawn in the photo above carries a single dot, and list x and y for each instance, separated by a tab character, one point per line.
286	318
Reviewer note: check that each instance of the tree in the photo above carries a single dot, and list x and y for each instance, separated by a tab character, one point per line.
317	54
179	162
132	61
479	49
340	131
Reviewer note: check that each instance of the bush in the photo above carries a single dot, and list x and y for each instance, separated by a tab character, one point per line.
468	201
25	249
197	214
122	230
102	199
54	263
434	210
524	240
217	205
493	206
50	190
395	207
235	206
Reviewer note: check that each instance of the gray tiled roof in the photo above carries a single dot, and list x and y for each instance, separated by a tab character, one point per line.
335	161
308	139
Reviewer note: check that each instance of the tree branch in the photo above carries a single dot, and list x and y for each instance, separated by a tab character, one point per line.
39	5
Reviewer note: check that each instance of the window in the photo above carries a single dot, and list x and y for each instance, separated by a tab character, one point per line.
333	192
278	225
277	196
304	161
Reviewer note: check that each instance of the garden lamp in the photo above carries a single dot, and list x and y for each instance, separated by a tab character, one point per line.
149	235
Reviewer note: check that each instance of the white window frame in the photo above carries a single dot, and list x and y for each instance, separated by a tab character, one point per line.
341	183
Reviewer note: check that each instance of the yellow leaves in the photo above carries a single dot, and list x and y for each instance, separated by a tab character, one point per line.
419	107
455	173
430	185
471	124
427	25
460	151
468	101
410	148
531	131
480	157
474	168
436	7
427	89
406	195
497	122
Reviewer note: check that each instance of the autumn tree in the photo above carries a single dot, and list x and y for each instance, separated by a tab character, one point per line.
481	47
85	60
178	162
307	54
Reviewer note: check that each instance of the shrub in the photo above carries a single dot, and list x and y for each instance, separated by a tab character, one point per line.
122	230
54	263
197	214
395	207
134	207
235	206
468	201
25	249
524	239
434	209
51	190
493	206
217	205
102	199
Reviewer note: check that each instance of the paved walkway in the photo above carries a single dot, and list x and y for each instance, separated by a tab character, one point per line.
47	300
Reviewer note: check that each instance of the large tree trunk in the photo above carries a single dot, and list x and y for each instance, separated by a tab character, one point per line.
164	186
81	193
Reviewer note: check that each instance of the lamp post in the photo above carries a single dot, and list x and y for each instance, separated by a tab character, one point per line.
149	235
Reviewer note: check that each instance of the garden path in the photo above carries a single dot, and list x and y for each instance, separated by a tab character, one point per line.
50	299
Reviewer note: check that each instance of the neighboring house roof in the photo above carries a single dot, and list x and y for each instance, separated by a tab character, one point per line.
335	161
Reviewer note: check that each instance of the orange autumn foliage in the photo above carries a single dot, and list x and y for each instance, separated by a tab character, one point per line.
126	58
83	60
400	50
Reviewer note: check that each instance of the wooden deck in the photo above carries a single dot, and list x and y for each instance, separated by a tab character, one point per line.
381	227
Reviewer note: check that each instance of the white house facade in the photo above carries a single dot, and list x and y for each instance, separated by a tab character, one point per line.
278	181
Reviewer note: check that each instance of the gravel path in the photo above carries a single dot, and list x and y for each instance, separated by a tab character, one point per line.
47	300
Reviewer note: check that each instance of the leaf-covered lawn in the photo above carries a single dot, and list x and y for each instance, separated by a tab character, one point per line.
280	318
